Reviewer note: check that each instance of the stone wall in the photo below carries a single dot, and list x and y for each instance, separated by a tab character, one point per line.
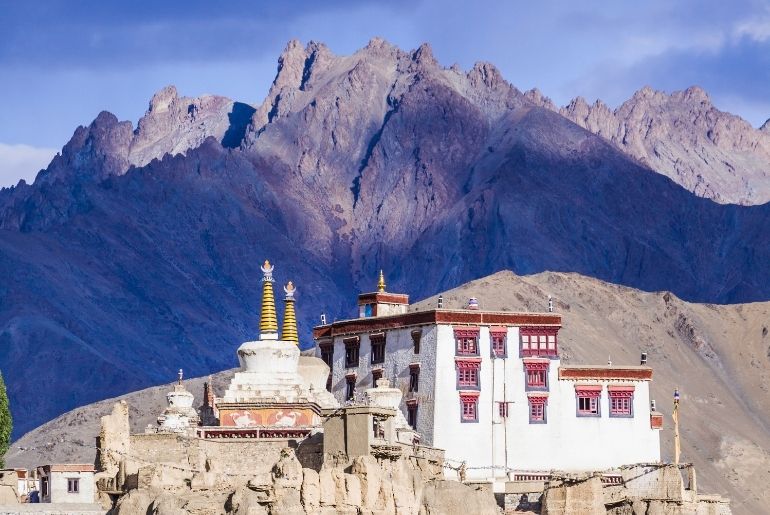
640	490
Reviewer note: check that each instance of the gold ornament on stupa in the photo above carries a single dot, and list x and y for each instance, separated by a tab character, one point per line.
268	323
289	332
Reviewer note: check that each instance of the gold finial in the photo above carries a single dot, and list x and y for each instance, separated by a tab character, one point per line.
268	323
289	330
381	282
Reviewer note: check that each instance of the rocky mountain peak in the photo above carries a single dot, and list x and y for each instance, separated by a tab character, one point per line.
162	100
683	136
765	126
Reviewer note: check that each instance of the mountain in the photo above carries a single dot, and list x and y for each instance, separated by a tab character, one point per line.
725	409
714	154
137	251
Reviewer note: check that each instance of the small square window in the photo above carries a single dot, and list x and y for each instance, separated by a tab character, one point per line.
621	404
469	405
588	406
537	410
73	485
536	375
498	345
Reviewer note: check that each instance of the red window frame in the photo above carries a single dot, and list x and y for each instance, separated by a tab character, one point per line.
502	409
469	407
538	409
621	401
466	341
468	375
536	375
498	342
539	341
587	400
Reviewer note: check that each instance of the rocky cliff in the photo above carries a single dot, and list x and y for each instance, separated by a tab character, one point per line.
136	252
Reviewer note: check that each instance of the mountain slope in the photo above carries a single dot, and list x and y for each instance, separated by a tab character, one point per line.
690	346
131	262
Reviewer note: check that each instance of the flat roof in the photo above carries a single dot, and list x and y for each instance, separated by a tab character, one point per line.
435	316
69	467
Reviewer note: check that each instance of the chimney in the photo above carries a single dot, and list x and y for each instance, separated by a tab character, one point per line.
644	358
550	304
440	301
323	318
652	405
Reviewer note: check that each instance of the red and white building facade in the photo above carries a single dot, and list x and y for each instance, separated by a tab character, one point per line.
489	388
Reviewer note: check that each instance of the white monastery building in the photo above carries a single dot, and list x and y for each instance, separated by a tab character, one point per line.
490	389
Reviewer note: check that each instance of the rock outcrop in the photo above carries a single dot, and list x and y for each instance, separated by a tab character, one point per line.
714	154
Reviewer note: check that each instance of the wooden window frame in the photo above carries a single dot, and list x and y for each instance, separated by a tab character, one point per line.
539	342
378	348
469	407
468	374
498	342
538	409
536	375
352	352
590	396
411	413
621	401
350	387
466	341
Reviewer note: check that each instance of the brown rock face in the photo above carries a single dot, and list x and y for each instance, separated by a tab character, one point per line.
714	154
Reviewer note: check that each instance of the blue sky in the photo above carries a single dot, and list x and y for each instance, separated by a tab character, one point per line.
63	62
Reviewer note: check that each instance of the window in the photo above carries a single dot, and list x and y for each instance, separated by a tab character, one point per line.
350	387
467	373
414	377
352	345
44	486
536	374
537	410
466	341
416	337
411	413
327	353
621	401
376	376
73	485
539	341
469	407
498	345
588	400
502	409
378	348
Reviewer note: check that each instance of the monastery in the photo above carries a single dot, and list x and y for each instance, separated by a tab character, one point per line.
489	388
448	411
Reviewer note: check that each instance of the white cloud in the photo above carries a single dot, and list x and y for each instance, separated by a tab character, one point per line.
757	29
22	162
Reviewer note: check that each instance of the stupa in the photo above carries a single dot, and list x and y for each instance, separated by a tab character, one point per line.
179	415
268	395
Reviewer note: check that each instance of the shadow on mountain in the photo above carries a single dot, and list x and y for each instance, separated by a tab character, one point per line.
239	118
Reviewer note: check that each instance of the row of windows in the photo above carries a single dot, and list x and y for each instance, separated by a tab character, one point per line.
534	342
621	405
535	374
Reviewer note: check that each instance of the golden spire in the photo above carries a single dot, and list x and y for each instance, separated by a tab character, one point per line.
289	331
268	323
381	282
